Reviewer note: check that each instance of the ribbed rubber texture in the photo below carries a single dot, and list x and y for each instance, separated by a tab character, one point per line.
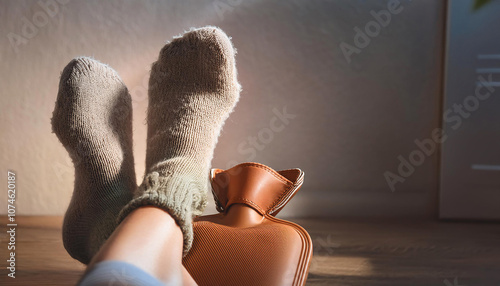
274	253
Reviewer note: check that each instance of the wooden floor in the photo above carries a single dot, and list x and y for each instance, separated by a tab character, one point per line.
368	253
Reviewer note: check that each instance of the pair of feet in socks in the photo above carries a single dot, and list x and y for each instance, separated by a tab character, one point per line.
192	90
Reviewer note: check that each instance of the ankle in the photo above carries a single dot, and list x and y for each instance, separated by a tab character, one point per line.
150	213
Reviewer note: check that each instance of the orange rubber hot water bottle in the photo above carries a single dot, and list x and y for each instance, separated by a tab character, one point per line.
244	244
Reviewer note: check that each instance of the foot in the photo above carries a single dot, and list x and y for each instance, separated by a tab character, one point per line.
192	90
93	120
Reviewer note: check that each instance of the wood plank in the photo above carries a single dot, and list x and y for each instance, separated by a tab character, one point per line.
346	252
40	255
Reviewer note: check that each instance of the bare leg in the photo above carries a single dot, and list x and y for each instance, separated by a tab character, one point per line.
150	239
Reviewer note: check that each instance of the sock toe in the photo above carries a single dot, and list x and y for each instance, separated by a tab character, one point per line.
85	77
212	39
82	67
207	39
205	54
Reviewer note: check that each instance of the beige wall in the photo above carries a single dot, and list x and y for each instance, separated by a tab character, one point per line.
352	120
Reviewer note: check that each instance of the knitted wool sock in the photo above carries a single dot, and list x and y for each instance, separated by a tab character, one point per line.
192	90
93	120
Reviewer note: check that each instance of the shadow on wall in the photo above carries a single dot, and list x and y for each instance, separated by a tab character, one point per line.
350	116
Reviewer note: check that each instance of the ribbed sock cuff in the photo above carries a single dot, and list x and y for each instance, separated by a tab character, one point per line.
180	196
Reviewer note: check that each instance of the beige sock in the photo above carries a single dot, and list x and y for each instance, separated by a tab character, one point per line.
93	120
192	90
